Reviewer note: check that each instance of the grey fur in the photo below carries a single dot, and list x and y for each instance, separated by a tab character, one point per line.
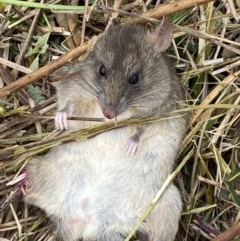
93	190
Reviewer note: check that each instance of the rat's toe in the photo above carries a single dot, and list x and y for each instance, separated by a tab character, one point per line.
61	120
132	147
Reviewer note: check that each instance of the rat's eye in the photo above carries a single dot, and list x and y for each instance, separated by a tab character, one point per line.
102	70
133	79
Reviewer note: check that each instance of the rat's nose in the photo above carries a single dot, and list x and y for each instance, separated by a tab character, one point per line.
109	114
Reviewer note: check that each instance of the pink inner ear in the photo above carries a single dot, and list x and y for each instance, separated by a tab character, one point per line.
161	36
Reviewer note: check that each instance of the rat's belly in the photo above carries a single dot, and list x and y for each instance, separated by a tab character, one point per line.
88	183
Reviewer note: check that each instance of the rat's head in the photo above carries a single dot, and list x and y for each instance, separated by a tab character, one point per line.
129	67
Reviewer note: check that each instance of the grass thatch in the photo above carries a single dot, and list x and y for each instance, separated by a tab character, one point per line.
205	50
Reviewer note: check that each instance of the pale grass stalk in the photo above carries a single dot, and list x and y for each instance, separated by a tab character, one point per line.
22	167
92	9
84	21
231	124
212	61
209	13
53	134
193	64
175	49
43	235
233	10
202	42
189	137
214	39
208	181
199	210
194	185
199	193
57	31
43	5
224	123
221	39
19	226
26	214
223	32
234	177
195	72
23	220
221	213
224	167
37	123
33	227
213	94
226	68
15	66
23	19
159	194
48	108
237	218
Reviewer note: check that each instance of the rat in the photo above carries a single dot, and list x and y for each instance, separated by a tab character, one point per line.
109	102
94	190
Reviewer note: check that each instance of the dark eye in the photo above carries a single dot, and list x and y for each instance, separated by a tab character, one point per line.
102	70
133	79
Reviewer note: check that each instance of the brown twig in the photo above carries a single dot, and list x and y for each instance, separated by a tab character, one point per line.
229	234
125	13
51	67
170	8
72	118
43	72
27	42
203	227
85	17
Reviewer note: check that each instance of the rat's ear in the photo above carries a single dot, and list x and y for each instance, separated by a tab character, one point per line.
161	36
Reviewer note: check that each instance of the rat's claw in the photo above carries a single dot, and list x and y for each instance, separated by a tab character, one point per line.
132	147
61	120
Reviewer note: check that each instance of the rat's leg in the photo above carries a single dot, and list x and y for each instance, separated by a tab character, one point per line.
162	222
62	116
134	141
20	182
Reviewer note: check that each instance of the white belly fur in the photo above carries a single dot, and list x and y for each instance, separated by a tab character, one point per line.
95	180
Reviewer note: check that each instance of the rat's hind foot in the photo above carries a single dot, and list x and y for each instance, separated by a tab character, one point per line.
20	184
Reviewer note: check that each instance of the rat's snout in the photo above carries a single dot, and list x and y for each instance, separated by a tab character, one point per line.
109	113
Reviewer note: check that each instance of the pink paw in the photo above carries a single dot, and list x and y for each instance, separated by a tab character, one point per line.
61	120
132	147
21	184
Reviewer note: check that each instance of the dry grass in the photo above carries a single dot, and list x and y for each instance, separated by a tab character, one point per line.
205	50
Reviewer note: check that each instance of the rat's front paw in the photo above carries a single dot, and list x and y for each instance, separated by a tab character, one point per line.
132	147
61	120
